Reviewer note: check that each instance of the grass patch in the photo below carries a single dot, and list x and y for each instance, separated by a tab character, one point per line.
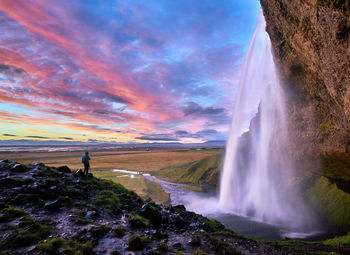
193	188
50	246
331	201
137	221
205	170
211	225
32	232
137	159
10	213
119	231
109	200
137	242
100	231
342	240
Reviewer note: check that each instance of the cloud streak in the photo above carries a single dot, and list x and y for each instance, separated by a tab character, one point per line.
140	69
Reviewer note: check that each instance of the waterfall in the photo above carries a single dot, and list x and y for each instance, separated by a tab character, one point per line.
257	173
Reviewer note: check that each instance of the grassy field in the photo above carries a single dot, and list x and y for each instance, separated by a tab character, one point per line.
153	161
143	187
147	161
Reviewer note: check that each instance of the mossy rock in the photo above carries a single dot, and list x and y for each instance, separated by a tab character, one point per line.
332	202
119	231
137	242
99	231
137	221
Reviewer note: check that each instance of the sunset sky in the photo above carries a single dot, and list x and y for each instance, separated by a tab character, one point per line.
121	71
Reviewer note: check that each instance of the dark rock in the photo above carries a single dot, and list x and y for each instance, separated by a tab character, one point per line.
177	245
52	206
25	199
19	168
180	208
90	175
79	173
152	213
63	169
11	182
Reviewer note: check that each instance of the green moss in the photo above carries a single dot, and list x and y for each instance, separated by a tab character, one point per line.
199	252
137	242
336	165
109	200
100	231
50	246
77	247
325	126
342	240
119	231
332	202
10	213
137	221
32	232
80	213
162	247
211	225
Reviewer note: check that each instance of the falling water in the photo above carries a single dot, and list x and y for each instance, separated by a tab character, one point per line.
257	173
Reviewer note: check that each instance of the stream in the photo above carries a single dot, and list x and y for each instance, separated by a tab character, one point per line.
207	204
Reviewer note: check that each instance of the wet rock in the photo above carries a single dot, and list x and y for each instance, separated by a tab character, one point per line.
19	168
63	169
79	173
52	206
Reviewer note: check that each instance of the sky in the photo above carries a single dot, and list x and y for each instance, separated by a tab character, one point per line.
121	71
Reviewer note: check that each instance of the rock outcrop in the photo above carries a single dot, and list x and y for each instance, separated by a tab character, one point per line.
48	210
311	44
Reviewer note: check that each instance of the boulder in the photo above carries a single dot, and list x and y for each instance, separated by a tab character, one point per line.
19	168
63	169
152	213
79	173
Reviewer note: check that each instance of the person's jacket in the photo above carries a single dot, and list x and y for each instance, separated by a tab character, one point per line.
85	159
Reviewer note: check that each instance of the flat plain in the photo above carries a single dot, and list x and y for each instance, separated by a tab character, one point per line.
102	163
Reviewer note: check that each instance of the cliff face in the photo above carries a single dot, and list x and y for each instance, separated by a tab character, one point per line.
311	44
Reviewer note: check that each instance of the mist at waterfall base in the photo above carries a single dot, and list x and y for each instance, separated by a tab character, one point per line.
257	195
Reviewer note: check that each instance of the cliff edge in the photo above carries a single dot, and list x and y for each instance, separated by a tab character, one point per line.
311	40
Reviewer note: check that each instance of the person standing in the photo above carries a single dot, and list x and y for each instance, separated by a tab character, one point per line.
86	161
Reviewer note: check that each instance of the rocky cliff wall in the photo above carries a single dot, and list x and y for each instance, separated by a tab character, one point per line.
311	45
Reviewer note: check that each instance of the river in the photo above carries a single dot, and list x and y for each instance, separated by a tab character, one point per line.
207	204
